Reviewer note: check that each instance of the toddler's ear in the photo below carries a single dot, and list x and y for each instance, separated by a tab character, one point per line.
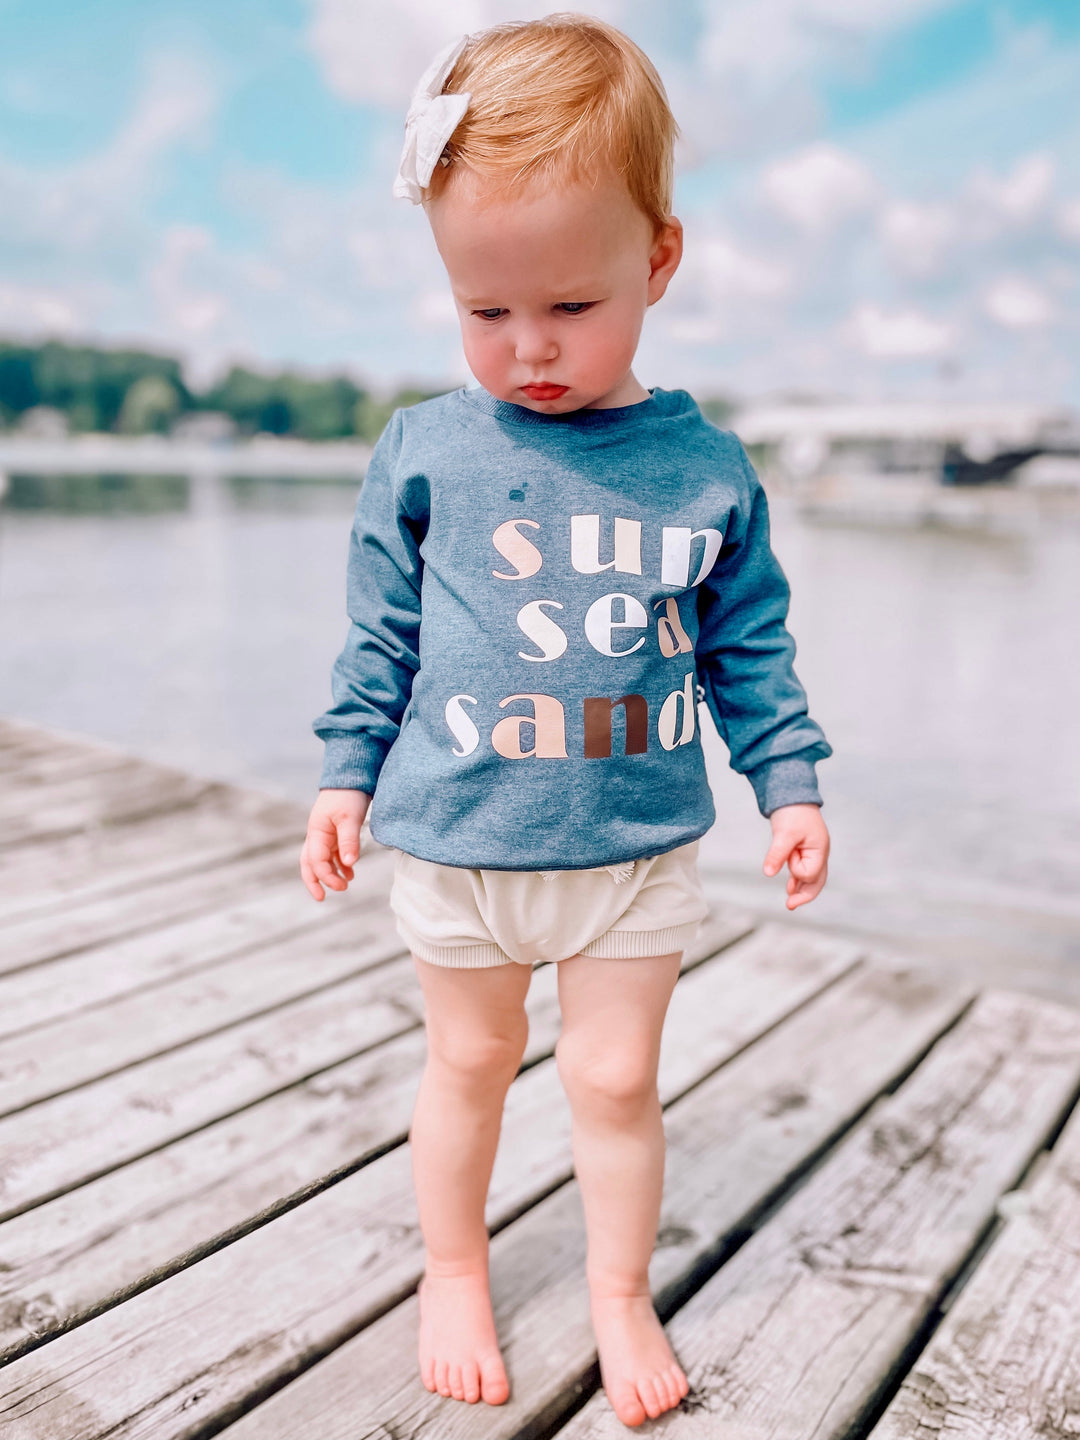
666	254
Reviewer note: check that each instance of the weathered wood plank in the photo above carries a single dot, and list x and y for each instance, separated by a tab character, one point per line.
797	1334
21	742
70	1258
51	766
260	916
65	1259
1006	1359
226	824
51	1147
168	1360
732	1142
68	928
32	815
54	1058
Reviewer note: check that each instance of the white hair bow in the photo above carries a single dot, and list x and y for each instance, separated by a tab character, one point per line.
432	119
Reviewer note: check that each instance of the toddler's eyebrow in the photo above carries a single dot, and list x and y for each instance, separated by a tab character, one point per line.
559	297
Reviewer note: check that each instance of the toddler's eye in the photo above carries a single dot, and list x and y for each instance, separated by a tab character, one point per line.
491	314
575	307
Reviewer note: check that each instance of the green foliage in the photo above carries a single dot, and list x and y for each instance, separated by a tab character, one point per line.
370	415
718	408
151	404
287	404
87	384
135	392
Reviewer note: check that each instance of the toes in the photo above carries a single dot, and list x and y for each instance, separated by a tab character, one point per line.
652	1400
680	1382
627	1405
442	1379
427	1373
494	1386
668	1389
470	1382
457	1385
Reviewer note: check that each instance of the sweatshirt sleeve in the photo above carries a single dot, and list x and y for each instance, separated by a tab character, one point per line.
372	678
745	654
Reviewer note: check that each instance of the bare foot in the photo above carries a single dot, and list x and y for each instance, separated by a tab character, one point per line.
459	1354
637	1365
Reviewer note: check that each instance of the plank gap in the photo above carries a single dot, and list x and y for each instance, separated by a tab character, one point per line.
366	969
173	1138
216	1242
190	910
159	982
173	867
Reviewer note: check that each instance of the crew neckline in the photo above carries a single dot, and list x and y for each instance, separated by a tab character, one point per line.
640	410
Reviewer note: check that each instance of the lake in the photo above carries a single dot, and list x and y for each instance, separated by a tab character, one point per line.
195	623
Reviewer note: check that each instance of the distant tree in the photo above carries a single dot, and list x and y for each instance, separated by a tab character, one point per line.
150	405
18	385
370	415
135	391
718	408
287	403
88	384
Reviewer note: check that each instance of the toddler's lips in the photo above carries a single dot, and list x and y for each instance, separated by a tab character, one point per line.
544	392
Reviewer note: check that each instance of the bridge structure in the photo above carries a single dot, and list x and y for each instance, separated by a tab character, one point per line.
264	457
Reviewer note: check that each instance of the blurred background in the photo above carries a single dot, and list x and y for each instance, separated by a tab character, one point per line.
209	305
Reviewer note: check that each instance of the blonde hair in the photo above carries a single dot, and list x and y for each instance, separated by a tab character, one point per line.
558	100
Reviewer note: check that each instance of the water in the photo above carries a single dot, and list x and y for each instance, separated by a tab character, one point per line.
196	624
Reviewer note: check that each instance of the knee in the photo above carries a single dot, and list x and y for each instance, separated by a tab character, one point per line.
608	1080
482	1060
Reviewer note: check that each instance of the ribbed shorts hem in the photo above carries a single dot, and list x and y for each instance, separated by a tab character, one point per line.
614	944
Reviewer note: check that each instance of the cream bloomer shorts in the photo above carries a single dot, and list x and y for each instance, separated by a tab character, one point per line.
470	919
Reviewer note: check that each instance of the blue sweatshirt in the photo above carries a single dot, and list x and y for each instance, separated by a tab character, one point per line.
538	603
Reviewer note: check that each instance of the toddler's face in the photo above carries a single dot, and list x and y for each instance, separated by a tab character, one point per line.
551	289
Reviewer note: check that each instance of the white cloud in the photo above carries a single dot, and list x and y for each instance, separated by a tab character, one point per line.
1069	219
35	310
80	206
907	334
726	271
1017	303
916	236
183	304
700	330
1018	196
434	309
775	40
372	52
818	187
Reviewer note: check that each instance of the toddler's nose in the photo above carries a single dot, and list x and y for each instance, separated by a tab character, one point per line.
534	346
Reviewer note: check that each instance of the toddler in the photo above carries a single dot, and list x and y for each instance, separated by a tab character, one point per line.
548	570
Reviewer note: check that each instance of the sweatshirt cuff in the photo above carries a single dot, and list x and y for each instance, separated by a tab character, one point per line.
787	780
352	762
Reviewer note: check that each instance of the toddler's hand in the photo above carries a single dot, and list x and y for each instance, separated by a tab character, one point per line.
333	838
801	839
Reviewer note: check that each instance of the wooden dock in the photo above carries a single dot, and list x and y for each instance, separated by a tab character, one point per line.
872	1205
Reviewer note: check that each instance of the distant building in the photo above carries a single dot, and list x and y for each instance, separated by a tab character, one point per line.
205	427
960	444
43	422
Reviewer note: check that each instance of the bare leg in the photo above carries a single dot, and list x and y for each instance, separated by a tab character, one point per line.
613	1013
476	1029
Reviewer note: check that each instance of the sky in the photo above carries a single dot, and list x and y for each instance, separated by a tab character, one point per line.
881	198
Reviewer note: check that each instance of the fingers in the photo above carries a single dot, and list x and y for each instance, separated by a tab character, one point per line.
348	841
317	859
777	853
801	839
307	874
808	869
